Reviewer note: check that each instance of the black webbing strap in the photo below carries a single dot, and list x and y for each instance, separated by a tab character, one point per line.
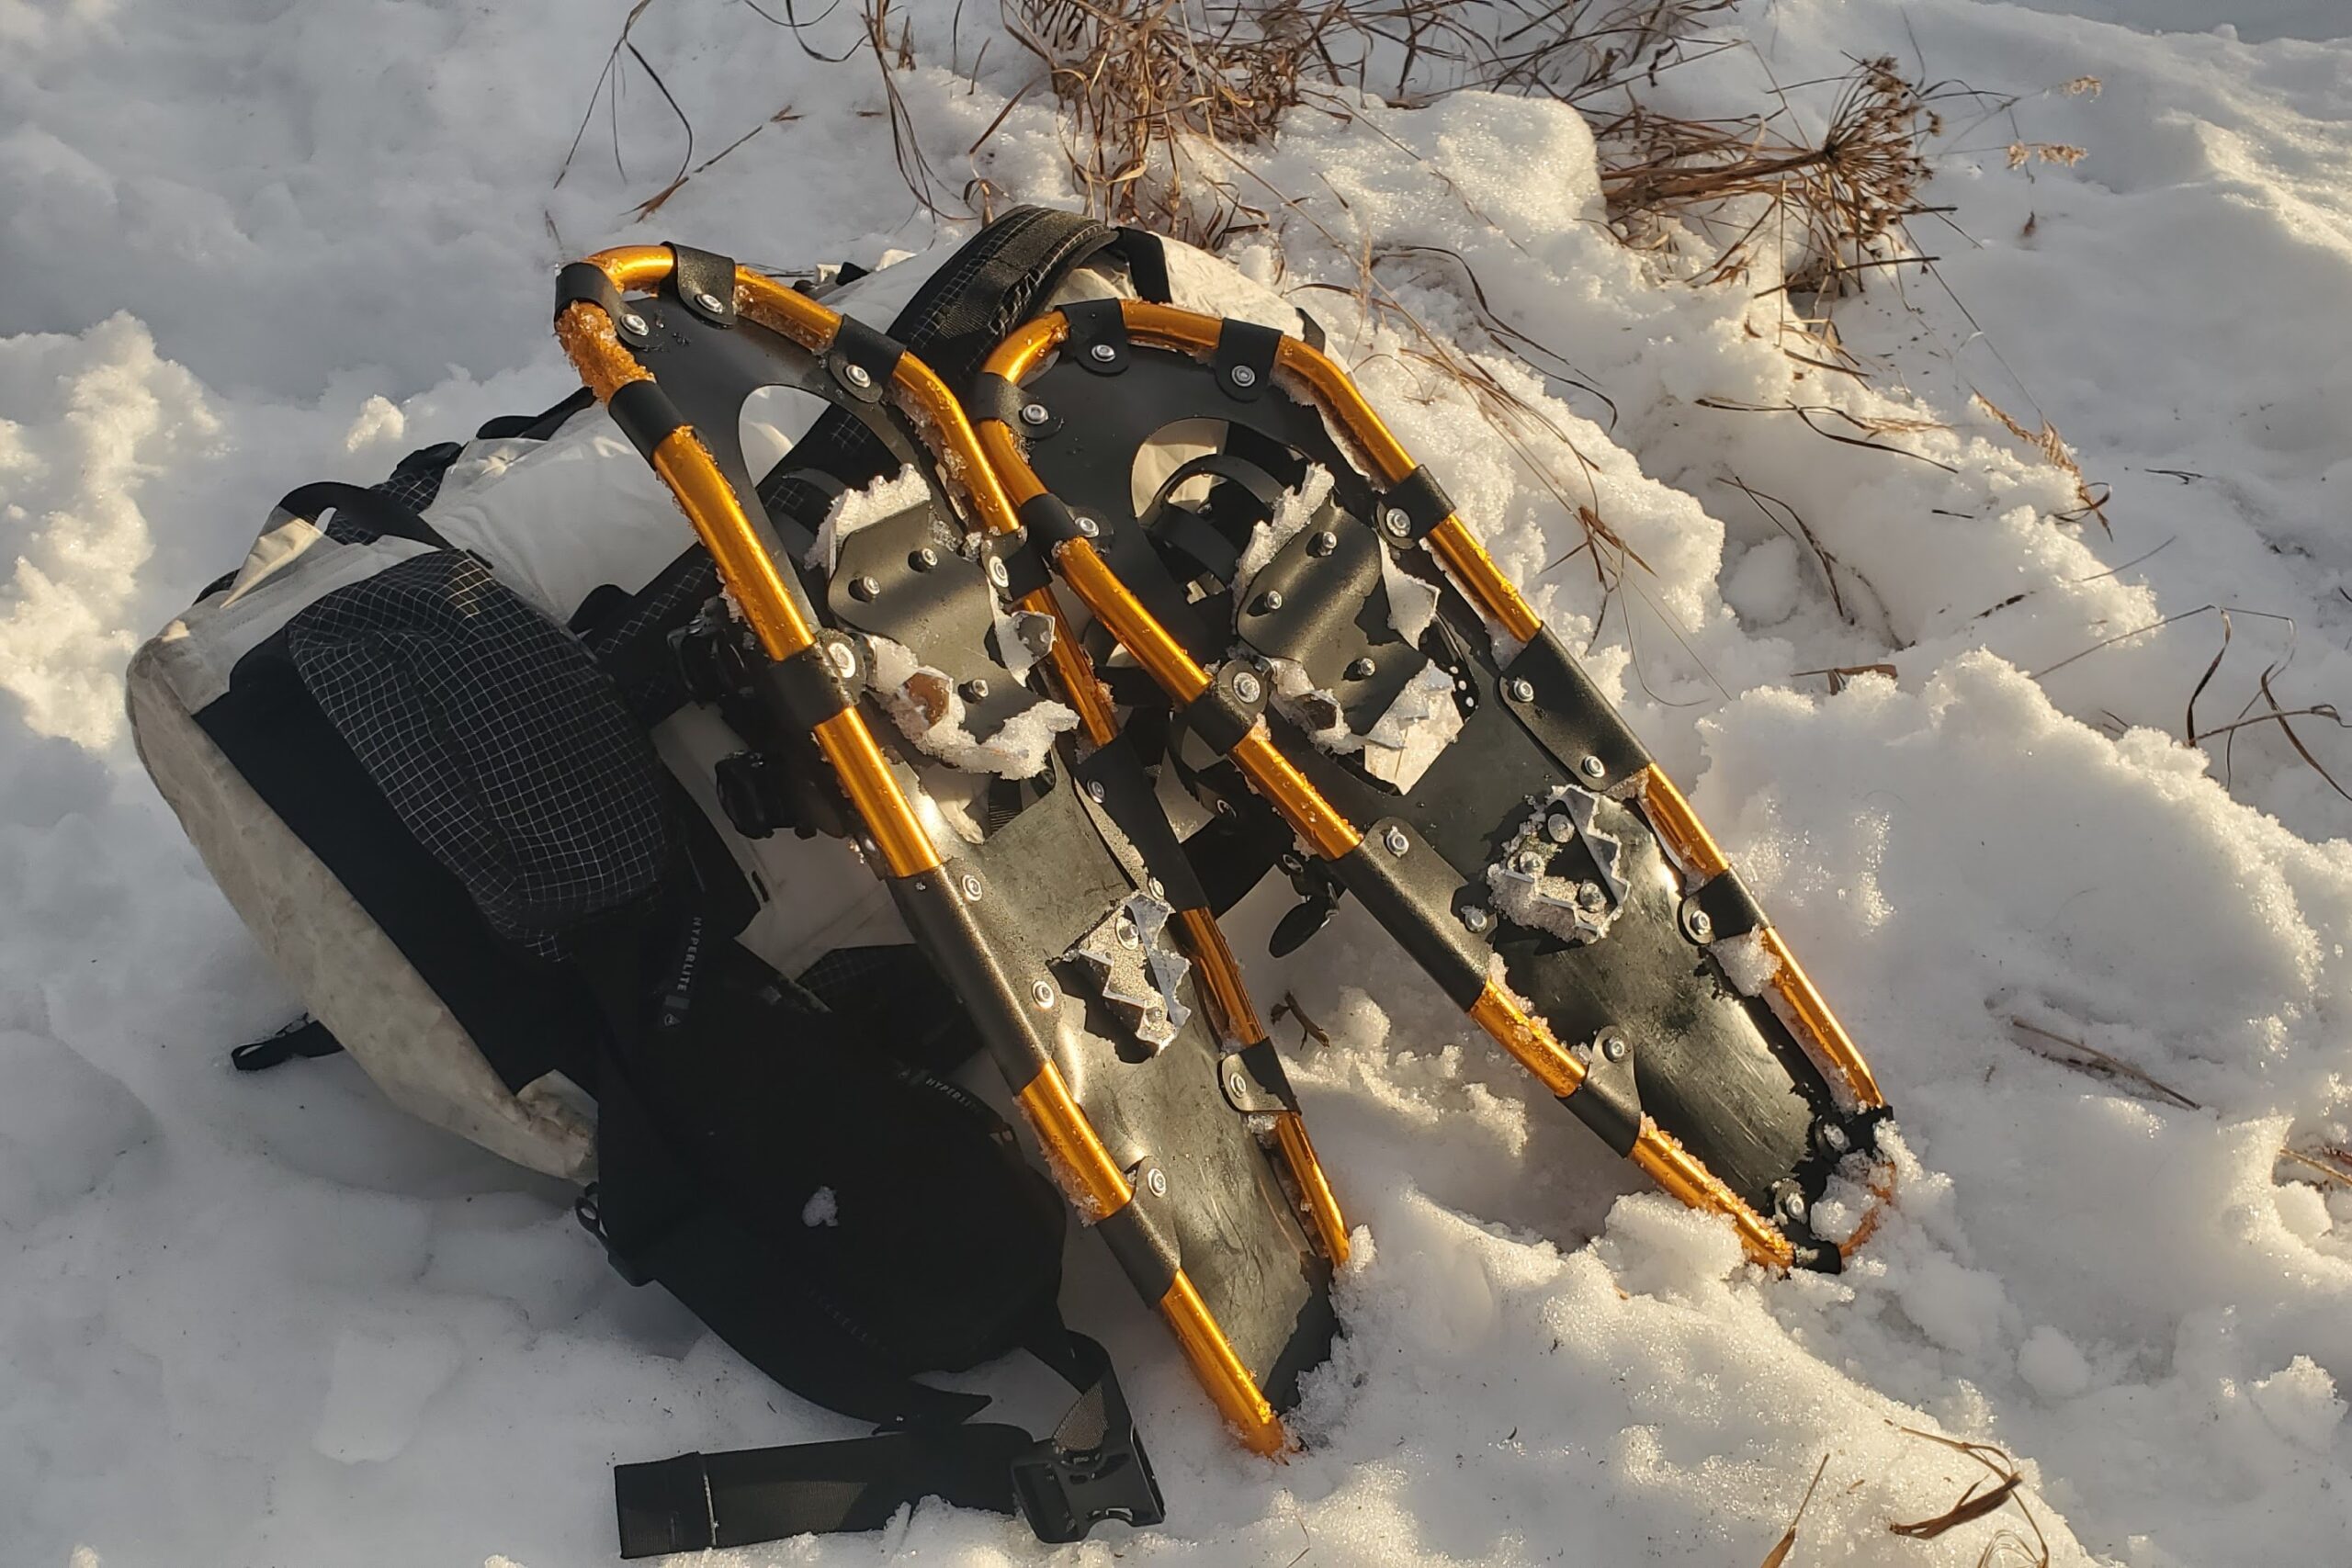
1091	1468
371	509
305	1036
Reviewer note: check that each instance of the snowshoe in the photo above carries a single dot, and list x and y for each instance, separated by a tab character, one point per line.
891	672
1348	648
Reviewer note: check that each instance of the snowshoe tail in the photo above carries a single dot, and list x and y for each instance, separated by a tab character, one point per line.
1506	827
1057	902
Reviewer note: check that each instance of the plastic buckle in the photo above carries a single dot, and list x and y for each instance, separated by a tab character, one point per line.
1064	1494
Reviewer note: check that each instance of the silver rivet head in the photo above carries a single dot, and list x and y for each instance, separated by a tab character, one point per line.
1042	993
1157	1180
1521	691
633	322
1322	543
972	889
1102	353
1157	889
975	690
1034	414
710	302
1396	521
1589	898
1700	925
1476	919
997	572
1559	828
1592	768
1834	1138
1088	526
1793	1205
1238	1085
923	560
1614	1045
864	588
1248	687
1396	841
1363	670
1269	601
842	658
858	376
1527	862
1244	377
1094	792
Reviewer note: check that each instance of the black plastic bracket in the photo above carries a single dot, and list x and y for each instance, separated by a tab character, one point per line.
862	359
1244	361
1722	908
1093	1467
1051	524
646	415
584	280
993	396
1610	1100
1025	566
1228	709
1412	506
1555	702
1254	1082
814	685
1411	890
1142	1236
1098	336
703	282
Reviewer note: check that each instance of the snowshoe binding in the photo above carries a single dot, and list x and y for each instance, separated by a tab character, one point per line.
1347	647
895	676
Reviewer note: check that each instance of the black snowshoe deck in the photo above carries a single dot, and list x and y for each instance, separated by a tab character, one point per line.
1059	906
1541	868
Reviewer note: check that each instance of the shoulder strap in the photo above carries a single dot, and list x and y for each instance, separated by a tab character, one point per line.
1092	1468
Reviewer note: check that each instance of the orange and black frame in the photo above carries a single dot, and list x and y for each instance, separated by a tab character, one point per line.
1062	912
1543	870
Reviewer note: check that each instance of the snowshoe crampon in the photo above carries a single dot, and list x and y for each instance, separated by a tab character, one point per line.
1352	651
1045	884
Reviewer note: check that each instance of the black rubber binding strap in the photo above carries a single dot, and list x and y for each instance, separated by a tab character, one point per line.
1610	1100
703	282
1098	336
1024	566
1413	895
1730	909
1244	361
859	347
995	398
646	415
1146	261
1143	1240
1220	715
1568	717
1422	500
807	688
585	280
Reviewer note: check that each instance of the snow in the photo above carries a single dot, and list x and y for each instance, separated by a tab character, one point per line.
272	1320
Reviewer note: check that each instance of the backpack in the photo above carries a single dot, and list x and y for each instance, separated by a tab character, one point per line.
459	749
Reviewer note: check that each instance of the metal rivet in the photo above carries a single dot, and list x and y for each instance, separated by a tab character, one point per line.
1267	603
1238	1085
710	302
1088	526
1127	933
1225	808
1559	828
997	572
1322	543
972	889
1700	925
864	588
1592	768
1476	919
1094	792
1248	687
1102	352
1520	690
1527	862
842	658
1363	670
1589	898
1157	1180
1397	523
858	376
976	690
1034	414
1614	1045
1834	1138
1395	840
1042	993
1244	377
634	322
923	560
1157	889
1793	1205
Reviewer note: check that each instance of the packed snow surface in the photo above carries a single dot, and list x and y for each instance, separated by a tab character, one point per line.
269	1320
